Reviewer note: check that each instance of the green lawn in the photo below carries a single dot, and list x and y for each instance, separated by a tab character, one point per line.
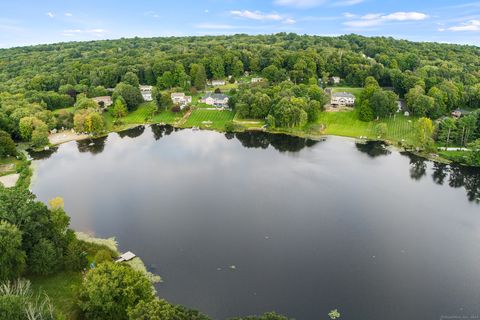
6	165
61	289
347	124
355	91
218	119
70	109
143	115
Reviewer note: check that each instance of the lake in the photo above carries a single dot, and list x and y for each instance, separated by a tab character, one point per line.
240	224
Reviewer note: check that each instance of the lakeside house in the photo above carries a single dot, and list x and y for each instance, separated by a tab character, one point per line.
334	80
342	99
103	102
256	80
146	92
179	98
215	99
214	83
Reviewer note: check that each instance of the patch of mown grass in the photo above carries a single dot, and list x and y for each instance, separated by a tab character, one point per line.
143	114
209	119
62	289
348	124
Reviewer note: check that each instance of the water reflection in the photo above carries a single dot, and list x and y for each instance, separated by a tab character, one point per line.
373	148
132	133
94	146
162	130
457	176
280	142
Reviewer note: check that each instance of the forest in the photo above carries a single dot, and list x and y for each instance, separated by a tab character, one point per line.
48	86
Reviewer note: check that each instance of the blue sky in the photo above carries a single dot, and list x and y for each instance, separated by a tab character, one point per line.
24	22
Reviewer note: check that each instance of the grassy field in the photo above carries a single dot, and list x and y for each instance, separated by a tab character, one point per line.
355	91
218	119
61	289
347	124
6	165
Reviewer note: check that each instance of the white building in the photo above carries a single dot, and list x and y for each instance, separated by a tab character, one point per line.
256	80
217	83
334	80
215	99
146	92
342	99
180	98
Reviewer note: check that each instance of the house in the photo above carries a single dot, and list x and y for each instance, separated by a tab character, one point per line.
342	99
217	83
256	80
146	92
127	256
334	80
103	102
457	113
180	98
215	99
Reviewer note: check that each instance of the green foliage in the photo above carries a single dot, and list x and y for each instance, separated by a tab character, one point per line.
365	112
474	156
119	108
425	131
159	309
130	94
131	79
109	290
103	256
88	120
7	146
334	314
265	316
383	103
44	258
17	302
12	257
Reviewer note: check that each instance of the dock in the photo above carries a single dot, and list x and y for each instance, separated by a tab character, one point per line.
127	256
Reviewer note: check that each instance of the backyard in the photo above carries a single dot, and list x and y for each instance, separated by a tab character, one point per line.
209	119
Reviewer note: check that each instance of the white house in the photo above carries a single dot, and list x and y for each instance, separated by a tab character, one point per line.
334	80
215	99
342	99
146	92
180	98
217	83
103	102
256	80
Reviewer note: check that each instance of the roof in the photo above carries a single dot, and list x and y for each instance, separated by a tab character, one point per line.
126	256
177	94
145	88
216	96
343	95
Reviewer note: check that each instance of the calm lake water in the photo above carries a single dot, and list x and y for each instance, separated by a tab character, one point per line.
248	223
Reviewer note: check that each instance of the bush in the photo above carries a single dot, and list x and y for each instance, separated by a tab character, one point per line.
103	256
7	146
365	112
176	109
44	258
111	289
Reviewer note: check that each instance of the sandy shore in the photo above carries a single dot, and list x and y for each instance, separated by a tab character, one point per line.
65	136
9	180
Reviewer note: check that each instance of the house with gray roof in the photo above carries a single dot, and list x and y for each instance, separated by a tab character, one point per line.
215	99
342	99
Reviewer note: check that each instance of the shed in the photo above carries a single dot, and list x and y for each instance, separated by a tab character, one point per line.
127	256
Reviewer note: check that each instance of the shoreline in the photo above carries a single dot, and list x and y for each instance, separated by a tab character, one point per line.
318	137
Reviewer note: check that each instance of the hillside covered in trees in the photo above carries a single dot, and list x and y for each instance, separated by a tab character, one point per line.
38	83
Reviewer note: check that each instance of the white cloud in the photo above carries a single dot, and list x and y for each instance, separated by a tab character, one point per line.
51	15
152	14
214	26
206	11
260	16
471	25
299	3
346	3
68	14
73	32
375	19
303	4
256	15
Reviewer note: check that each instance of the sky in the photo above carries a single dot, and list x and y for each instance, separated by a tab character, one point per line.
28	22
